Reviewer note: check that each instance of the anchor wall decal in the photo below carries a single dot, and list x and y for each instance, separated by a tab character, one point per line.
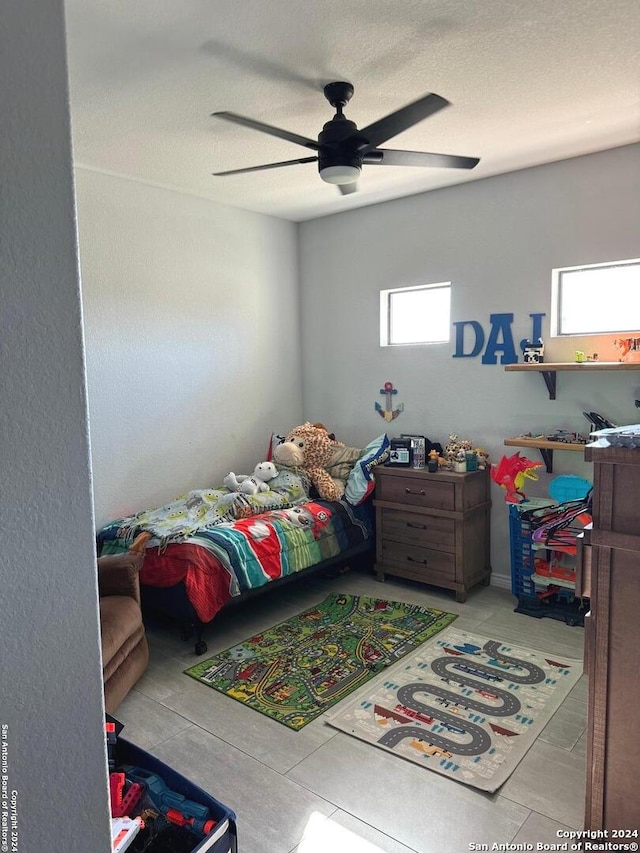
388	412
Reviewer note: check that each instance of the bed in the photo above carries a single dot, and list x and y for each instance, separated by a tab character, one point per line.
210	548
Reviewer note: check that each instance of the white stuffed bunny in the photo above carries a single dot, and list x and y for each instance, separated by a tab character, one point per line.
250	484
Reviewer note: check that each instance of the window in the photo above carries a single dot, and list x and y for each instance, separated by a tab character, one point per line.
415	315
598	299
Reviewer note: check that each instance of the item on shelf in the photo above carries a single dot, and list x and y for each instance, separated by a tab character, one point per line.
599	421
533	353
566	437
629	348
581	357
434	462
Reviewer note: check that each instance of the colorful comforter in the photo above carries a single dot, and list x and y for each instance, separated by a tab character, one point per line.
202	509
228	558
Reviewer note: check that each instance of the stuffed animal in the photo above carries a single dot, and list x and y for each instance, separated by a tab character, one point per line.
310	448
250	484
483	458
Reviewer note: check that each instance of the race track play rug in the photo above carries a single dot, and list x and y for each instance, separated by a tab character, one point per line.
466	706
296	670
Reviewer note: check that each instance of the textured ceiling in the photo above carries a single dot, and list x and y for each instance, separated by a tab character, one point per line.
530	81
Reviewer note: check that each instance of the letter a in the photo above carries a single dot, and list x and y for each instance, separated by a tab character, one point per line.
500	323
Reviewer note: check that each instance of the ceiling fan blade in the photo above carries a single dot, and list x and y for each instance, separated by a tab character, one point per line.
402	119
389	157
267	128
267	166
347	189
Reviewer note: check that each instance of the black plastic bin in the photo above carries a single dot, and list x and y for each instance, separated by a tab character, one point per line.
223	837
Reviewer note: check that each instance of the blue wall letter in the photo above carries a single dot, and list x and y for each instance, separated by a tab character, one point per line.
477	328
536	333
500	323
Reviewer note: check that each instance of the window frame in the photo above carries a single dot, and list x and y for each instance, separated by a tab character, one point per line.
386	313
556	298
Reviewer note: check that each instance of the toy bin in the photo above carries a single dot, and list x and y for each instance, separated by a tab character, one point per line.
223	837
533	601
522	551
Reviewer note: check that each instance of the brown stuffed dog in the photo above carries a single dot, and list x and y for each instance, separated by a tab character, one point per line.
310	447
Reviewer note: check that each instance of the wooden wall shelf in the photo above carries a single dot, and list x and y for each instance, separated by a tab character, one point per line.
549	369
545	447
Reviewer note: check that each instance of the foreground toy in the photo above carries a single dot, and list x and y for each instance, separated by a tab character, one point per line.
174	806
250	484
309	447
511	473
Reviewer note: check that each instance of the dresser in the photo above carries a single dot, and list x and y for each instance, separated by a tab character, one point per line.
433	528
610	572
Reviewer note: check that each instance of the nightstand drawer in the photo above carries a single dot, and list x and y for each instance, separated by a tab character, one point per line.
417	491
425	530
420	561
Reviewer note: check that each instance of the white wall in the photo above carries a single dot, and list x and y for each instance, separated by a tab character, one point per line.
497	240
193	342
50	670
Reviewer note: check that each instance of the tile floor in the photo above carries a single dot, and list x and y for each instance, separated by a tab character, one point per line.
321	791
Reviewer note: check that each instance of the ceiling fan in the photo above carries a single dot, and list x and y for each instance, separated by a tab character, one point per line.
342	149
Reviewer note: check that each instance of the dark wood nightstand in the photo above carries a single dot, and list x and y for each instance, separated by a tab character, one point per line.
433	528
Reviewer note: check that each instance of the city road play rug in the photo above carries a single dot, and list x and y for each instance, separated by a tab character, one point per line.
466	706
296	670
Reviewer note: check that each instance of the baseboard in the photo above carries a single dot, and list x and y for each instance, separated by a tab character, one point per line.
501	581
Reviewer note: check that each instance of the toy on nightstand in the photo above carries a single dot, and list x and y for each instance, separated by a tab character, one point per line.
460	461
483	458
454	453
433	463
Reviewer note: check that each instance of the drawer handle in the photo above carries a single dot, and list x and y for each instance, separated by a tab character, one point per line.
417	526
413	560
421	492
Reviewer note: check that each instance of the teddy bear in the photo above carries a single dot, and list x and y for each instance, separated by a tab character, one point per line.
250	484
310	448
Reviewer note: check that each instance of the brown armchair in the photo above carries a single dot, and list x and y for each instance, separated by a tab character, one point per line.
125	653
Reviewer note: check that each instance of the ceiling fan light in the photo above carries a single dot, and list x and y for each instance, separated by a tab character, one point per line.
340	174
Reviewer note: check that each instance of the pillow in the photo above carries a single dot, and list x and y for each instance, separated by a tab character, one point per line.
360	482
342	461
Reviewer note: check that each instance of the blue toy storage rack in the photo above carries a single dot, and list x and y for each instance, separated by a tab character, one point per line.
563	604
